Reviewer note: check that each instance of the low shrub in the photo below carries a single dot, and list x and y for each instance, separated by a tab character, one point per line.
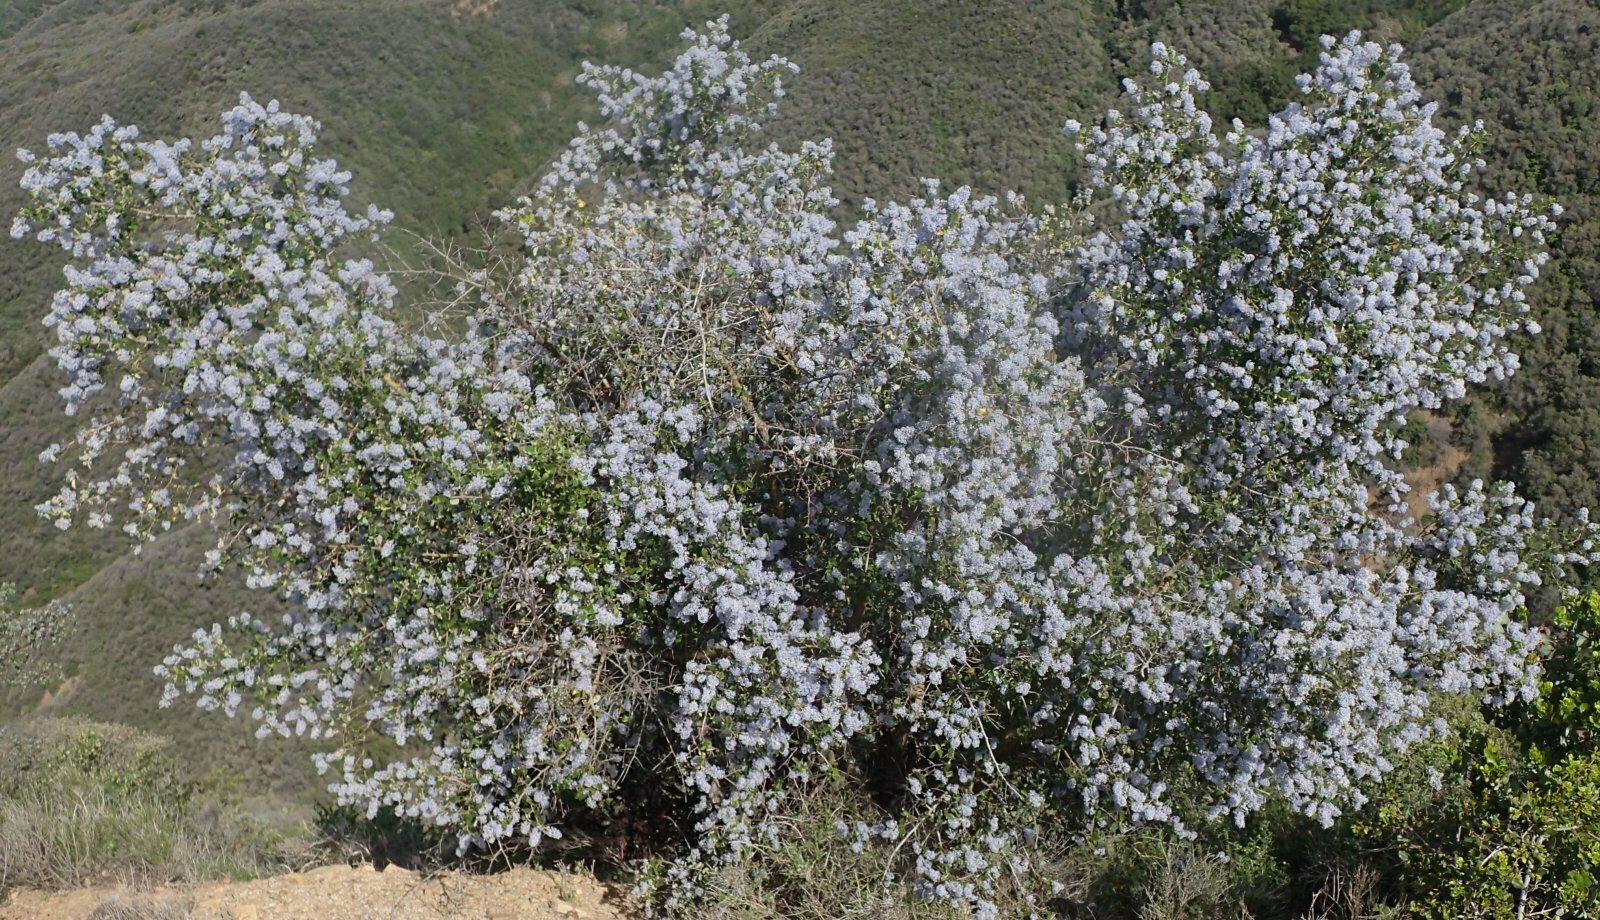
82	801
144	907
79	752
30	641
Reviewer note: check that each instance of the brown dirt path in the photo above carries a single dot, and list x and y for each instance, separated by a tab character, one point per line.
340	893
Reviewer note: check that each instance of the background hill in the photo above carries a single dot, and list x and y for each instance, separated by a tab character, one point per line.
976	93
1531	72
441	107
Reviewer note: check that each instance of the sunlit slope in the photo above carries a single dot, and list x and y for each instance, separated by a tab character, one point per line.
969	92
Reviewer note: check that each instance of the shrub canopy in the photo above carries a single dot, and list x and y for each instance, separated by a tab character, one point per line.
1028	522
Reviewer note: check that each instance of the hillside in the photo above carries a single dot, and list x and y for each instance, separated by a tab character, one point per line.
969	93
1531	72
977	93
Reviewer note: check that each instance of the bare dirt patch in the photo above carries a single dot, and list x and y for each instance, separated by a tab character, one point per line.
340	893
1445	464
55	696
462	8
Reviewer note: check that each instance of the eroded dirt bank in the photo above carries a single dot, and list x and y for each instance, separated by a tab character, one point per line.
340	893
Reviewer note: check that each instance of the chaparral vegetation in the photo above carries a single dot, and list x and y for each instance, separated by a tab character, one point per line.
963	528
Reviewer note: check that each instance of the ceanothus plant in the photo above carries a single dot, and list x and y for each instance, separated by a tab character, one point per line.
1031	523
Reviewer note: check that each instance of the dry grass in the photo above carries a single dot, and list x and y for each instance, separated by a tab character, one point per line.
1348	894
63	838
85	803
144	907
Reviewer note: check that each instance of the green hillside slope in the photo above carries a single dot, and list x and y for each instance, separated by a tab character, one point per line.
976	93
973	93
1531	72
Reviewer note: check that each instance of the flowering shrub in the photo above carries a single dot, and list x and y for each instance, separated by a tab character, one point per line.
1024	522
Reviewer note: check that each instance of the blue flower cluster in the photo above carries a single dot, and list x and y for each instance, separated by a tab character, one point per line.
1039	524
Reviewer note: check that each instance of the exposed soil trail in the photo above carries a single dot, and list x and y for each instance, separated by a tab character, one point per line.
340	893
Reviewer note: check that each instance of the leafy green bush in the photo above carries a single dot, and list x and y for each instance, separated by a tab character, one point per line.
1565	718
78	752
30	639
1501	838
1508	824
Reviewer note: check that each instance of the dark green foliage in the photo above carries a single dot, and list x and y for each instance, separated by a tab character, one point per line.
1565	719
1503	820
1531	72
385	839
1503	835
1300	23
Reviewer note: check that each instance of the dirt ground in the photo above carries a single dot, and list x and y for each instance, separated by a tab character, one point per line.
340	893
